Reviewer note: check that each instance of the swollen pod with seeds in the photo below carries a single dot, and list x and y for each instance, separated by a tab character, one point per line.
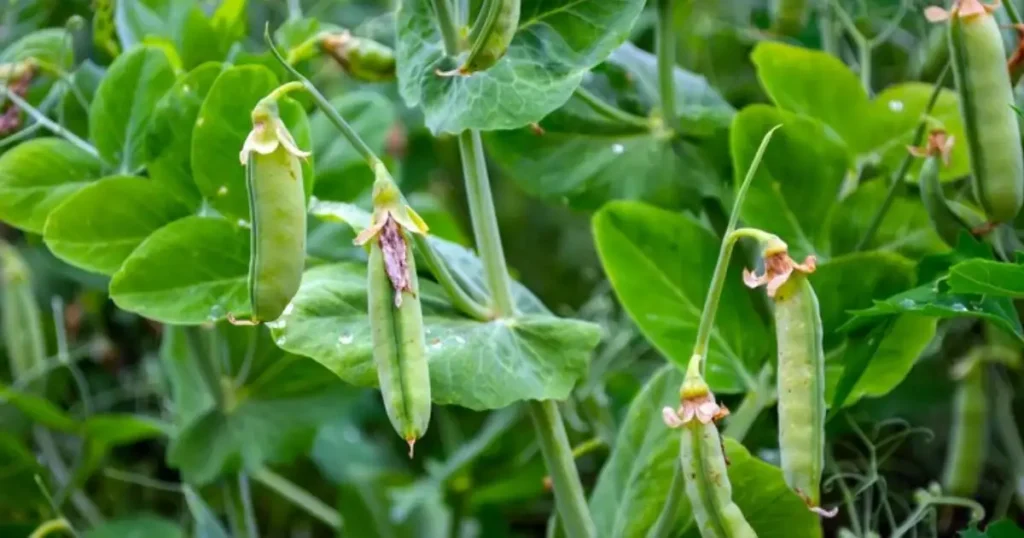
396	318
968	441
362	58
277	209
935	153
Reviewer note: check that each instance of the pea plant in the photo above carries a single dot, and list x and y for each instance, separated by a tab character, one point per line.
496	268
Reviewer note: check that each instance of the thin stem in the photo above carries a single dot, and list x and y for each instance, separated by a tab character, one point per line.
611	112
209	369
459	297
51	455
707	319
977	511
294	10
449	32
827	30
893	24
665	45
554	445
1012	12
325	106
49	124
484	31
239	501
52	526
897	179
864	52
485	222
299	497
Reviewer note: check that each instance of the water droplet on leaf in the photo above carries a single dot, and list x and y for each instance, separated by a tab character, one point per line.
618	149
345	339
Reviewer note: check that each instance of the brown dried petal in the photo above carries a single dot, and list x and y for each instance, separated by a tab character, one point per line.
396	262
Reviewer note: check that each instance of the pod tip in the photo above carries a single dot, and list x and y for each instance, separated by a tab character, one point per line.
412	446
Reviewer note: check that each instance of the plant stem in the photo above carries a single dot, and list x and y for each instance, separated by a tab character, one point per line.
209	367
49	124
611	112
864	50
897	179
485	222
554	445
827	29
977	512
51	456
325	106
240	514
52	526
449	32
299	497
460	299
665	44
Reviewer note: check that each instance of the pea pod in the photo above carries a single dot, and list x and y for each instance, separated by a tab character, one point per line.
968	441
986	96
947	223
277	208
396	319
790	16
490	37
362	58
22	320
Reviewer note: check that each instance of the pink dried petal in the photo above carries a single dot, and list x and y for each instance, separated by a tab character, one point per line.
777	280
707	411
753	280
670	417
396	263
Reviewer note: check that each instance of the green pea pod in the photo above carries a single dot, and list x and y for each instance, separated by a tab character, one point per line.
790	16
947	222
277	207
22	320
968	441
396	318
707	483
362	58
491	35
993	137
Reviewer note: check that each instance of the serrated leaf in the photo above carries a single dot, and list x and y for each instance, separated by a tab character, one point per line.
90	232
479	365
188	272
224	121
556	43
660	264
37	176
341	172
987	277
124	104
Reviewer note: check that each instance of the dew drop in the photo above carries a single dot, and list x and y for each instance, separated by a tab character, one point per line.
222	191
186	89
957	307
216	312
460	340
200	121
280	340
896	106
345	339
243	223
907	303
278	323
618	149
288	309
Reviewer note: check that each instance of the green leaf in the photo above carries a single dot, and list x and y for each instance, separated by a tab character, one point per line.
987	277
905	228
121	429
898	110
50	45
18	488
86	79
139	526
36	176
181	23
39	409
479	365
124	103
225	120
90	232
189	397
634	483
797	184
188	272
1004	528
660	264
556	43
168	141
206	525
341	172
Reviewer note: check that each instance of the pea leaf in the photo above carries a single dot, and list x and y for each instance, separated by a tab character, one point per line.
797	184
188	272
556	43
86	79
49	45
18	488
168	142
124	104
88	231
660	264
139	526
479	365
987	277
39	409
224	122
341	173
897	111
1004	528
181	23
36	176
905	228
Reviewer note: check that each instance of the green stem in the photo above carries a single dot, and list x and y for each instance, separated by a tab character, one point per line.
665	45
299	497
864	51
52	526
1009	434
827	30
52	458
459	297
901	172
209	367
554	445
864	45
480	40
240	514
325	106
1012	12
611	112
449	32
49	124
485	222
977	512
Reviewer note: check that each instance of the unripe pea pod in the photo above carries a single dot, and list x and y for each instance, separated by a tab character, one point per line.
396	318
22	320
947	223
968	442
362	58
986	96
490	36
790	16
801	369
277	208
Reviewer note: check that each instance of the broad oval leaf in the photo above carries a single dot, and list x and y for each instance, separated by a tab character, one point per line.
797	184
479	365
556	43
37	176
50	45
91	232
224	121
341	172
124	103
660	264
181	24
188	272
905	228
168	141
987	277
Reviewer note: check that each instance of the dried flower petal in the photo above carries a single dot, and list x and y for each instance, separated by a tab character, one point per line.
396	262
777	269
671	417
